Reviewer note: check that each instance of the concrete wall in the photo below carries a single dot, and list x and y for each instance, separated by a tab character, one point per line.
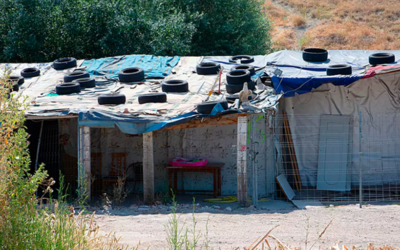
217	144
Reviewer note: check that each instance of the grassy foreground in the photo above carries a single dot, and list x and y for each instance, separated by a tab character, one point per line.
22	224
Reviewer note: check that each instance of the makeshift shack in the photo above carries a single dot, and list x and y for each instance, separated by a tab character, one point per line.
337	136
95	144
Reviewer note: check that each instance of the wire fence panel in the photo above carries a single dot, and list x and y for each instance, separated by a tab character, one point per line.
323	157
380	157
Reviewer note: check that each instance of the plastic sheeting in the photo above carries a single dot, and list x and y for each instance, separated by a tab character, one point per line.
377	98
153	66
300	77
180	107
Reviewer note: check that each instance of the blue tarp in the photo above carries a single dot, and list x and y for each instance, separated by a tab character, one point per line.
153	66
137	125
300	77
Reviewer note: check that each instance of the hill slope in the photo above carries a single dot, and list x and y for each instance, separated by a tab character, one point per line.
335	24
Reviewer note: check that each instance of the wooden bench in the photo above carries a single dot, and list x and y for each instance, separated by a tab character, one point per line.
214	168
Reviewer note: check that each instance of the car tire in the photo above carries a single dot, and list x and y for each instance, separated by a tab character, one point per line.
381	58
133	74
207	107
64	63
315	55
234	88
75	75
245	67
30	72
238	77
111	99
243	59
86	82
15	88
208	68
16	80
68	88
152	97
339	69
175	86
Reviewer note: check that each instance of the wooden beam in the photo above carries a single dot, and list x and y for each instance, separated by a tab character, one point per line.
84	161
148	168
207	122
242	161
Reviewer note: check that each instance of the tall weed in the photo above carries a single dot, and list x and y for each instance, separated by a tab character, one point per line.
23	224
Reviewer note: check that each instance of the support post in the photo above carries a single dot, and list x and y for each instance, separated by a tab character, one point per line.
38	148
253	156
361	154
242	161
84	166
148	168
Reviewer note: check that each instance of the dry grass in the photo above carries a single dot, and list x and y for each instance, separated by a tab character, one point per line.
270	242
284	39
351	35
297	20
275	13
337	24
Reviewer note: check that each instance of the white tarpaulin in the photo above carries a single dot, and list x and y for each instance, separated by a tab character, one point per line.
378	100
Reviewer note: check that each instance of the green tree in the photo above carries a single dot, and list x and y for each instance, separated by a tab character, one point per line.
43	30
230	27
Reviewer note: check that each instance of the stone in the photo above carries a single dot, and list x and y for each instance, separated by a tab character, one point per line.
216	207
144	209
228	209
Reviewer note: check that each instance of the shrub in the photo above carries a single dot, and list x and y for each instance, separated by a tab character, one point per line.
229	27
22	225
43	30
297	20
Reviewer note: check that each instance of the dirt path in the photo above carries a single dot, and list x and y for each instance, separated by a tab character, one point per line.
378	224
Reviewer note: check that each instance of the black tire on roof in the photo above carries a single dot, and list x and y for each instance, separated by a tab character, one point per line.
69	77
15	88
133	74
245	67
111	99
339	69
208	68
86	82
8	93
152	97
243	59
238	77
175	86
234	88
381	58
68	88
315	55
207	107
30	72
16	79
64	63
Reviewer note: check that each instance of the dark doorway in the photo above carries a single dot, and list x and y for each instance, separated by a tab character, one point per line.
49	149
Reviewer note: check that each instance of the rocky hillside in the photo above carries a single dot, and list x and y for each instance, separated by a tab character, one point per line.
335	24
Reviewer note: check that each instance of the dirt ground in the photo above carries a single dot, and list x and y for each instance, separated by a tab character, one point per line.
351	226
